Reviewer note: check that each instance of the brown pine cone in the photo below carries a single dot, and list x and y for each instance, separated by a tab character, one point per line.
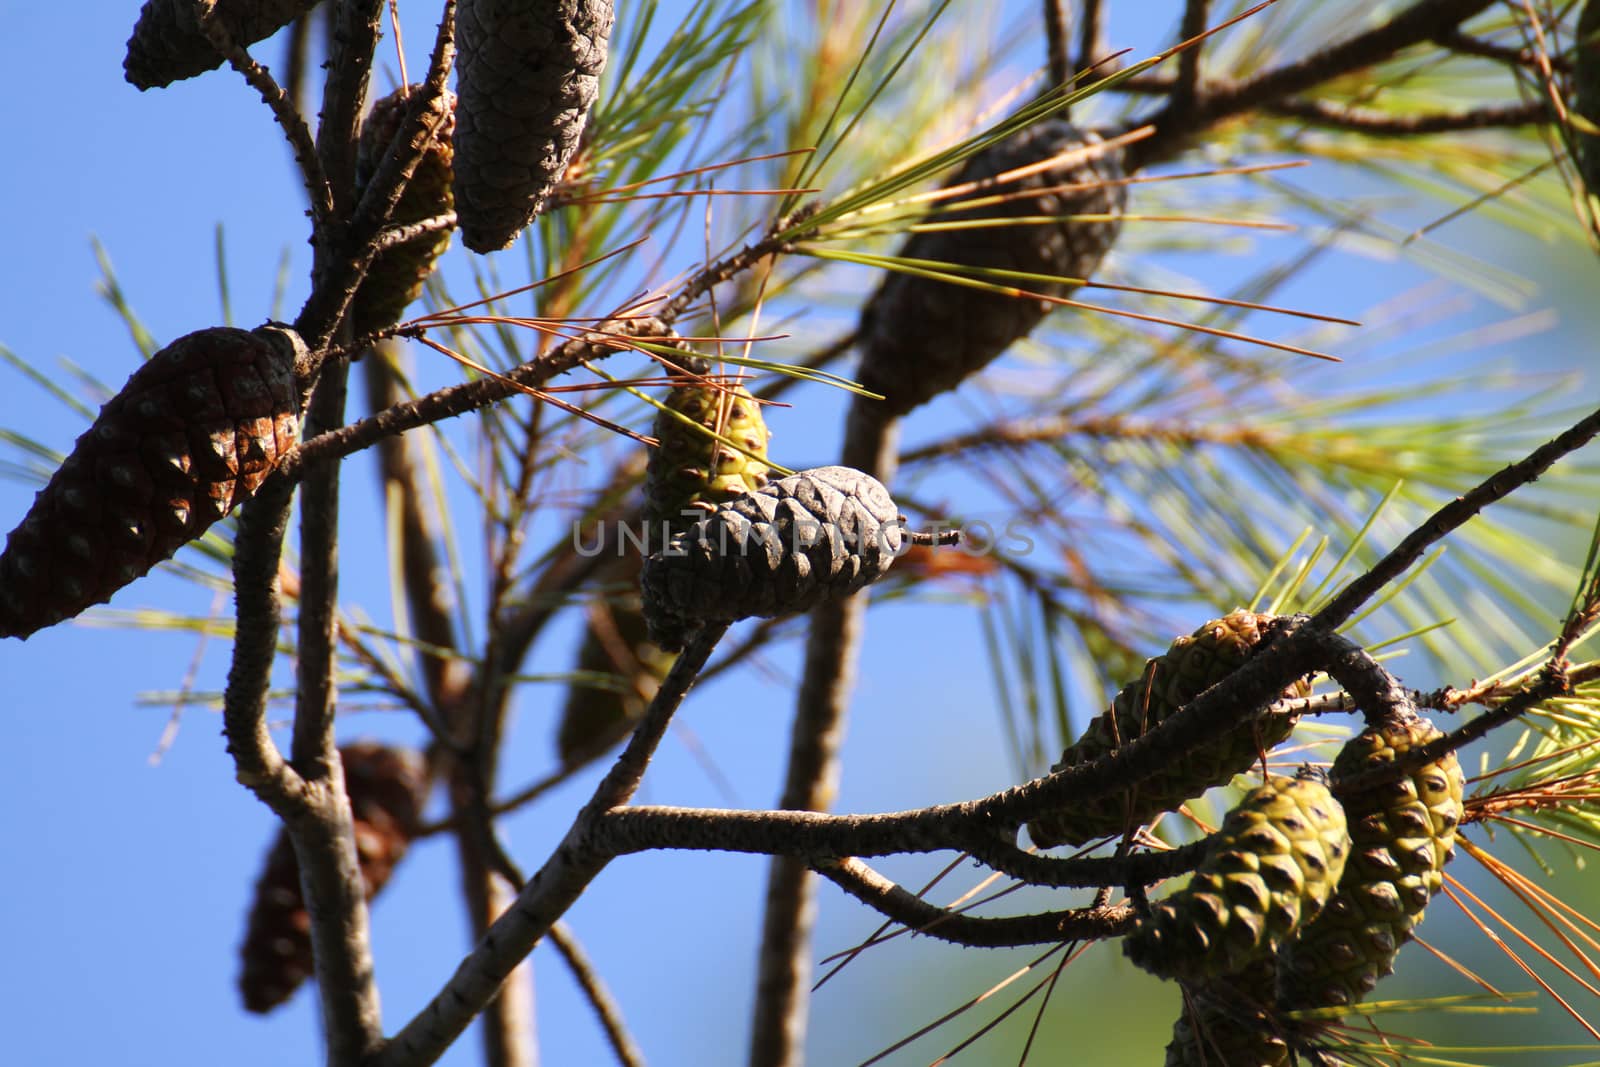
387	789
528	74
168	45
193	433
397	275
921	337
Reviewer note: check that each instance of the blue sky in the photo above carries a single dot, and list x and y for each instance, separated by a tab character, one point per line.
129	879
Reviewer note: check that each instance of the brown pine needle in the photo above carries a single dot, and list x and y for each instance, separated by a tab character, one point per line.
1222	301
1548	915
1453	886
1478	201
876	937
538	394
1549	899
1460	968
449	312
707	169
966	1006
910	266
609	198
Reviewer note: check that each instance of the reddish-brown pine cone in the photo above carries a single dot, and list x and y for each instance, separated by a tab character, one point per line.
193	433
387	789
168	45
921	337
397	274
528	74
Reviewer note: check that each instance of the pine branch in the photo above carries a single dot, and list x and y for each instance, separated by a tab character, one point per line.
917	915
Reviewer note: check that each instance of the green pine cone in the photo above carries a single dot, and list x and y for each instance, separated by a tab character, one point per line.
691	472
1269	870
1402	835
397	274
1189	667
1228	1022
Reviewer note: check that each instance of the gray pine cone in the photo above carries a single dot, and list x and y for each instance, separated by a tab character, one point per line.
921	337
528	74
168	45
818	535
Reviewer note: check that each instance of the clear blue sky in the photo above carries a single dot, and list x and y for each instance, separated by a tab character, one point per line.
127	882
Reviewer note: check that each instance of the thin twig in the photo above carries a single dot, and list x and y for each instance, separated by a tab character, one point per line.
1058	41
599	997
1375	123
395	236
552	889
283	107
1180	122
905	907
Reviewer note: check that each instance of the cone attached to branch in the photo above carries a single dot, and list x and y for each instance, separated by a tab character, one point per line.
1189	667
529	72
168	44
921	336
692	472
1403	833
387	789
193	433
1268	871
815	536
397	274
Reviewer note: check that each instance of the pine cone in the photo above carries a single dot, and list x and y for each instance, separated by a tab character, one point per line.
1403	833
528	74
815	536
193	433
168	45
921	337
396	276
1228	1022
1269	869
616	643
1189	667
387	789
692	472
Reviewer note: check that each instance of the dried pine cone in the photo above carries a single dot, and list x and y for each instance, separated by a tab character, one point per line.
1269	869
815	536
397	274
528	74
193	433
1228	1022
692	472
1189	667
921	337
616	643
168	45
1403	833
387	789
